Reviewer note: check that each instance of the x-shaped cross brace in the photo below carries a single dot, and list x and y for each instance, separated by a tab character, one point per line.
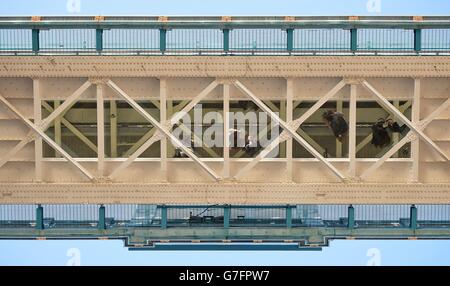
290	130
40	129
163	130
416	130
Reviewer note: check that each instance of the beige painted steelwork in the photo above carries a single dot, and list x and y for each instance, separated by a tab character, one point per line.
28	177
225	193
225	67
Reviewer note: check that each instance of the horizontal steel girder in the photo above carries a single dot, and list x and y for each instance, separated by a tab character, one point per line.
224	193
302	237
219	22
225	67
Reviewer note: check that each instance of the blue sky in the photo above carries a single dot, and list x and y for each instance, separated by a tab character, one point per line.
340	252
229	7
431	252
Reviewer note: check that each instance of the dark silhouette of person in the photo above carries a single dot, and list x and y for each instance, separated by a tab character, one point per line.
382	129
336	122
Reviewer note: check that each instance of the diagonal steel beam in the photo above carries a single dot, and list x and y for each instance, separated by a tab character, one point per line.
68	102
387	155
73	129
408	138
47	139
291	131
165	130
177	117
139	143
155	137
296	124
207	149
299	121
29	138
384	102
435	113
260	135
299	131
155	103
271	105
180	106
145	137
45	123
258	158
186	106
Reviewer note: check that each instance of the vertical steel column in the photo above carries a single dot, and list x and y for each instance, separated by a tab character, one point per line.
100	131
57	126
226	40
226	130
396	135
417	40
163	118
352	131
226	216
413	217
288	216
113	125
289	118
35	40
339	108
37	120
290	40
101	217
415	144
353	40
351	217
169	113
283	109
39	217
162	40
163	217
99	40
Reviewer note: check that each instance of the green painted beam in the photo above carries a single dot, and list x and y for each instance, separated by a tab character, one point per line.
39	217
413	217
243	232
35	40
351	217
353	40
288	216
417	40
101	217
303	236
99	40
226	216
226	40
162	40
290	39
163	217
